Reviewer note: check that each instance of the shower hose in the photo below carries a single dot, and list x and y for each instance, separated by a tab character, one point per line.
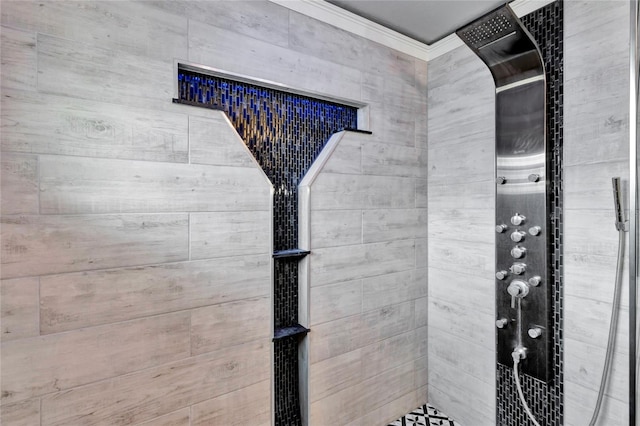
612	328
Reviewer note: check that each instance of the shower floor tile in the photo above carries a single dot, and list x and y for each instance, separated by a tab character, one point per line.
425	415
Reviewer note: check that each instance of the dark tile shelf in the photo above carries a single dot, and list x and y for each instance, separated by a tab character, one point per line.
293	330
290	254
350	129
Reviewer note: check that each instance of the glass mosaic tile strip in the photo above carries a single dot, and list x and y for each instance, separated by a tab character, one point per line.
285	132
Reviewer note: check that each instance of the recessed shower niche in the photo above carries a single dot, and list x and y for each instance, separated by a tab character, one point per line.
285	131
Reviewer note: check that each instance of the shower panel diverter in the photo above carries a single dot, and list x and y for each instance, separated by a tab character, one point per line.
522	216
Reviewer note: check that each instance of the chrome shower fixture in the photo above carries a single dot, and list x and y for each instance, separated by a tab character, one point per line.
522	180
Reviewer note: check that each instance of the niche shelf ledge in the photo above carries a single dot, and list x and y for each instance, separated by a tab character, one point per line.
290	254
292	330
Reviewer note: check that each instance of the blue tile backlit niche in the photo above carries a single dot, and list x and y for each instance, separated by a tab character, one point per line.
285	132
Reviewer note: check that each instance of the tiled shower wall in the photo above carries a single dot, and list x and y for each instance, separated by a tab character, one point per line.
461	199
367	282
596	149
116	238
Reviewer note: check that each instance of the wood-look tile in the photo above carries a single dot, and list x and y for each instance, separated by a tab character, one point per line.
468	195
586	366
389	412
159	390
346	334
250	405
356	401
311	36
393	160
349	192
585	322
421	253
446	347
465	415
472	395
219	326
223	234
77	300
19	306
233	52
392	352
261	20
592	276
337	264
393	224
40	245
388	289
89	72
18	57
334	301
592	231
331	228
24	413
129	27
215	141
19	179
449	255
469	290
422	311
579	404
464	225
392	124
455	319
334	374
81	185
177	418
41	365
422	187
347	157
48	124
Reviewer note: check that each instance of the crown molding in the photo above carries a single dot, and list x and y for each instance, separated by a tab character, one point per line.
348	21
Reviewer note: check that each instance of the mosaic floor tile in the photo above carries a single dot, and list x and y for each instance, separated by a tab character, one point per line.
425	415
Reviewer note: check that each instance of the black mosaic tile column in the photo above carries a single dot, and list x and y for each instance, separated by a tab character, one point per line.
285	132
545	401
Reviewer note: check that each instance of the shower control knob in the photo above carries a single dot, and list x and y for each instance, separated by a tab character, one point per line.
502	323
534	177
501	228
517	252
518	219
501	275
535	281
517	236
501	180
535	230
517	289
518	268
534	332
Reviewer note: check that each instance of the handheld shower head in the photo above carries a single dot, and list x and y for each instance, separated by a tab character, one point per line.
617	201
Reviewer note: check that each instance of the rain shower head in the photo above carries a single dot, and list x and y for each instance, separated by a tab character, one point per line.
505	46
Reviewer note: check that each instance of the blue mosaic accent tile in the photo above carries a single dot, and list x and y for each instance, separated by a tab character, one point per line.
285	132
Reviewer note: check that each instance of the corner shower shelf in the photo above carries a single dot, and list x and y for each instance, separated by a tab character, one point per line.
292	330
290	254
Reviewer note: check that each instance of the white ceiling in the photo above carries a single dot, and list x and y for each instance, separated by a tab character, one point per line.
424	20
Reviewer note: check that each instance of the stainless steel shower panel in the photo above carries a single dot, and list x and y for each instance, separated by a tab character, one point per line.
522	179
